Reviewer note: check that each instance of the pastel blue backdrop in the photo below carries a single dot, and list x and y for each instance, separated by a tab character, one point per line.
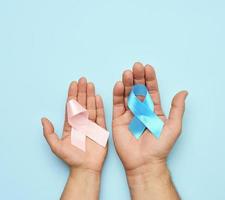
45	44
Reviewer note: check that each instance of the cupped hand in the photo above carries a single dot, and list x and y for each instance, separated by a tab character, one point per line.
147	150
93	157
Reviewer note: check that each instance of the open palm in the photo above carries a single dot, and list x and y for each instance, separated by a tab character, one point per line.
136	153
94	155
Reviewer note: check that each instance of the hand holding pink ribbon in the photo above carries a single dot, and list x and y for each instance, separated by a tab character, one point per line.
82	127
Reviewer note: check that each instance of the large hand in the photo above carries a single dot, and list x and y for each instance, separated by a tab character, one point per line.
136	154
94	156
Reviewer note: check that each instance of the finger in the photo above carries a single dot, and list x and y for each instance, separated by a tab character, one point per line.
127	81
50	135
152	86
128	84
177	111
138	73
82	92
72	94
91	103
118	100
100	119
73	89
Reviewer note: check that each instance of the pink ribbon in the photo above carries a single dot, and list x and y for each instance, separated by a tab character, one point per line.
82	126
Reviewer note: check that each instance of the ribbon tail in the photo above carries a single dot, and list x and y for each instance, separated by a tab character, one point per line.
136	127
153	123
157	127
96	133
78	139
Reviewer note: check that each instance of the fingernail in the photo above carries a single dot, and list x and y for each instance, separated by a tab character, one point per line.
186	94
42	120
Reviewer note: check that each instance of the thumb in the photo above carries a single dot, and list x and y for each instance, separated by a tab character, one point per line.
173	125
177	109
50	135
178	106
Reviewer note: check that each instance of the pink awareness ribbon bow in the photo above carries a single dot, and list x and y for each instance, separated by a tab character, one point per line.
82	127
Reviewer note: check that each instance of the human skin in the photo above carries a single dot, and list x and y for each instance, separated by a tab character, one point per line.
144	160
85	167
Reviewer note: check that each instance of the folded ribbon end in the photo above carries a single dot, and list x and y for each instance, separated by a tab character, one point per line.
144	115
82	127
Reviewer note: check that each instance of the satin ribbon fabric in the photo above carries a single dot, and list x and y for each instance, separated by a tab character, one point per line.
82	127
143	111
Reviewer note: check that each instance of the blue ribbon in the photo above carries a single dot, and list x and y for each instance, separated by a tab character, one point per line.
143	111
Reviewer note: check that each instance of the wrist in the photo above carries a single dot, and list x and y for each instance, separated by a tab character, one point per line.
148	175
84	183
85	174
151	180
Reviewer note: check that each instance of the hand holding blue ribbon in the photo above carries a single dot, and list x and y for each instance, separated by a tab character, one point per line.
143	111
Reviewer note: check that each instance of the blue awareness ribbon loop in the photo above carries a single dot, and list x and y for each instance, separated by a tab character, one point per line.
143	111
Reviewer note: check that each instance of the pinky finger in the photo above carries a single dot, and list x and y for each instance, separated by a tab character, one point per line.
50	135
100	118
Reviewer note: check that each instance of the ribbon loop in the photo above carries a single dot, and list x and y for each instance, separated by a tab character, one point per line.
82	126
143	111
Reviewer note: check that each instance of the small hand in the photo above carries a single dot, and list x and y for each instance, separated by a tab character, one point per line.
93	158
141	154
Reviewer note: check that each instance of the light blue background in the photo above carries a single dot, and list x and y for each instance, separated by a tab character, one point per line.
45	44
